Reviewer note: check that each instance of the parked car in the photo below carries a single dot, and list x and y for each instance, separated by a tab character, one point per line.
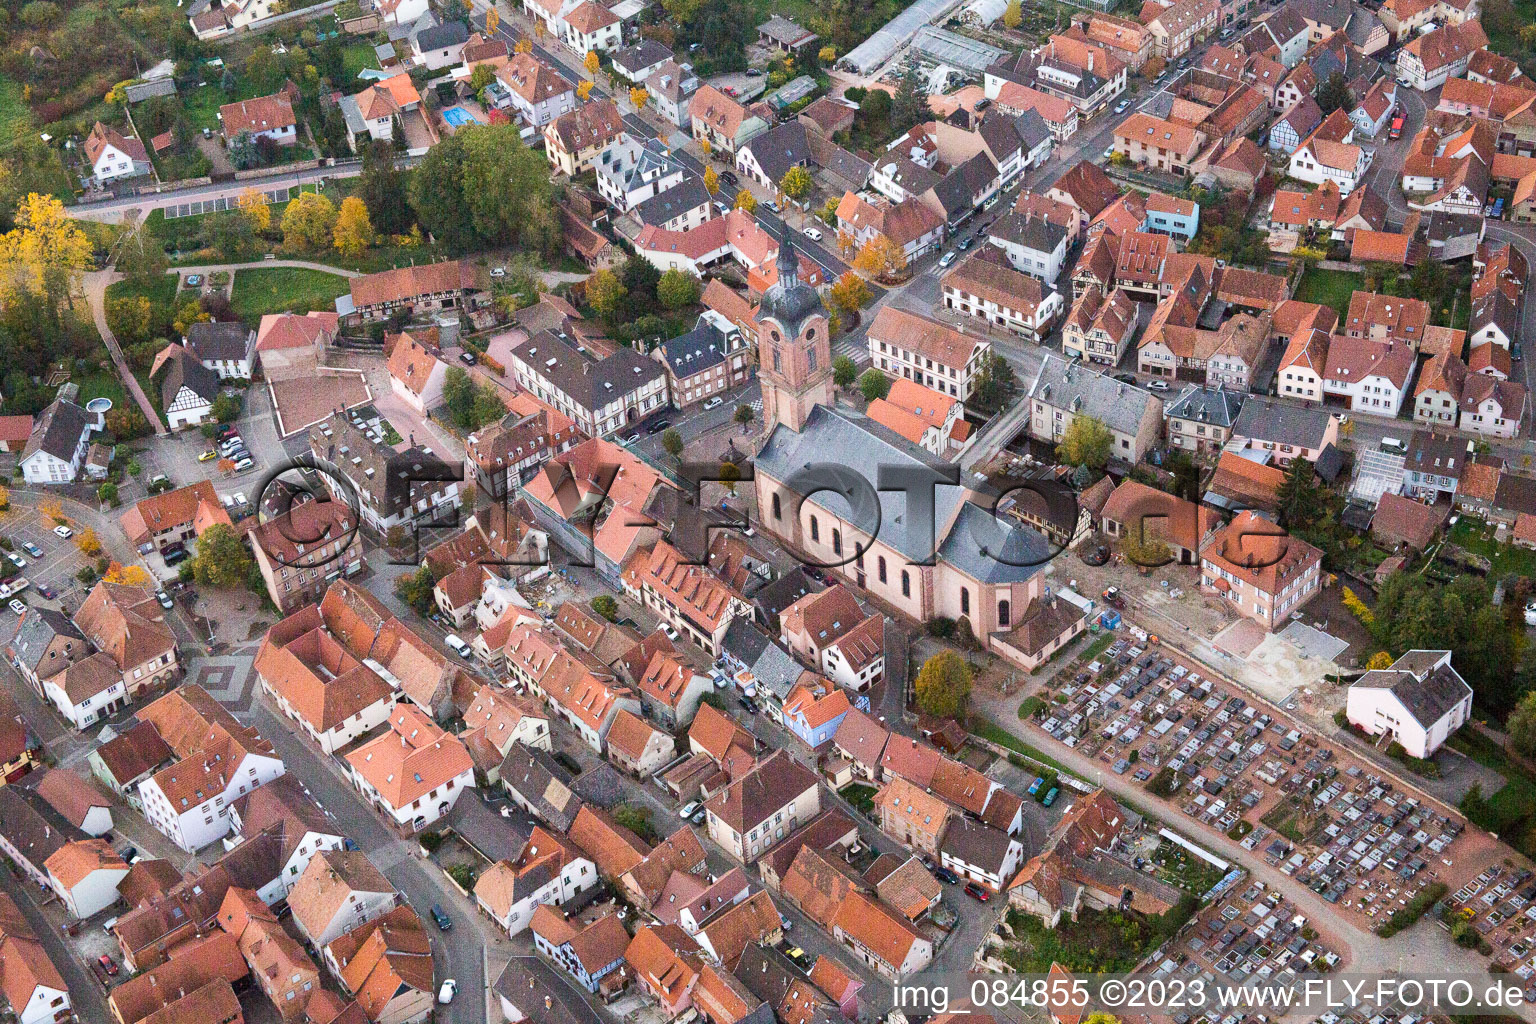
107	964
1157	384
1121	107
976	892
657	426
689	809
48	592
786	923
207	456
965	243
63	531
948	258
498	271
17	607
1050	797
174	557
16	560
698	817
1034	787
243	465
630	441
164	599
714	403
446	993
945	875
670	630
467	358
32	549
813	234
1530	614
444	922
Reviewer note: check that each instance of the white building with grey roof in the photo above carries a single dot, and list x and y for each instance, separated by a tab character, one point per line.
601	395
56	449
816	489
1421	700
1033	245
1200	418
1064	390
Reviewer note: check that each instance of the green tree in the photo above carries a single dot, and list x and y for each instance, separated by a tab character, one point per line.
436	194
415	589
606	606
944	685
1335	94
678	289
226	408
1299	496
672	442
635	818
381	187
844	372
107	494
482	76
221	559
1086	442
1521	726
508	190
995	383
744	416
242	152
874	384
141	259
910	104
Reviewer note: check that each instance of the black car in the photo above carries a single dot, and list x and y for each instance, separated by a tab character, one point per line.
729	177
1125	378
658	426
945	875
444	922
748	705
467	357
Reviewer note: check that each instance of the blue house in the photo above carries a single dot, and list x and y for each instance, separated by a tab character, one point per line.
589	953
1434	464
1169	215
815	718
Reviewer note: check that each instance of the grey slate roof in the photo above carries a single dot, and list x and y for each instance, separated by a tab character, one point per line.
959	188
991	550
1207	405
1426	691
592	383
1031	128
184	371
688	194
1117	405
696	351
36	630
831	436
353	114
1035	233
779	148
644	54
975	843
58	430
1301	426
538	993
454	33
538	778
772	598
220	340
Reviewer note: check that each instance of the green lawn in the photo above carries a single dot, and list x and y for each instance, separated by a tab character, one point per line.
355	57
990	730
162	293
13	112
284	290
1477	537
1329	288
104	383
202	102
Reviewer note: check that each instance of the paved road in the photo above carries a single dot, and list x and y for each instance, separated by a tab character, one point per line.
86	996
456	953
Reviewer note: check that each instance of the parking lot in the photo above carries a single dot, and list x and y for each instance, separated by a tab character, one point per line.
1310	808
55	570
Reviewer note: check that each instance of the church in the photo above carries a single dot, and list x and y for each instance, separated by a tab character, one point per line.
962	562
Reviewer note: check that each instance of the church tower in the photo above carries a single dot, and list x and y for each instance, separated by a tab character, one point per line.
794	347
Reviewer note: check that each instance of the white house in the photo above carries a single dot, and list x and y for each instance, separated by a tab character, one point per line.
548	869
56	450
85	873
1033	245
440	46
1320	159
339	891
87	690
113	155
223	347
1373	376
1421	700
305	828
630	171
34	990
535	90
189	800
414	772
188	389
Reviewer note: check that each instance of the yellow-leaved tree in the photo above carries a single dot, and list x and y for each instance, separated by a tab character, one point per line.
128	575
253	206
592	62
88	543
308	221
583	90
711	181
41	253
881	257
639	96
746	201
354	229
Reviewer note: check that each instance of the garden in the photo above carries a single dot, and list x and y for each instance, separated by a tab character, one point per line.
1108	941
262	290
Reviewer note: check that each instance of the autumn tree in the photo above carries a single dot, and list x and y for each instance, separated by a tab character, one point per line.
1379	660
849	293
827	54
583	90
88	543
1086	442
221	559
1521	725
308	222
1013	15
254	208
605	292
711	181
639	96
592	62
745	200
880	257
354	229
944	685
796	183
523	45
40	255
128	575
5	499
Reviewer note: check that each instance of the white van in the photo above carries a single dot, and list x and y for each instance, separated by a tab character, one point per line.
1393	445
459	646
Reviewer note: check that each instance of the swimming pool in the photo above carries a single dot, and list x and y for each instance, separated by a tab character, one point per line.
459	117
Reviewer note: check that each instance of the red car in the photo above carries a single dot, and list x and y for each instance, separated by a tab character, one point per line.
976	892
107	964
